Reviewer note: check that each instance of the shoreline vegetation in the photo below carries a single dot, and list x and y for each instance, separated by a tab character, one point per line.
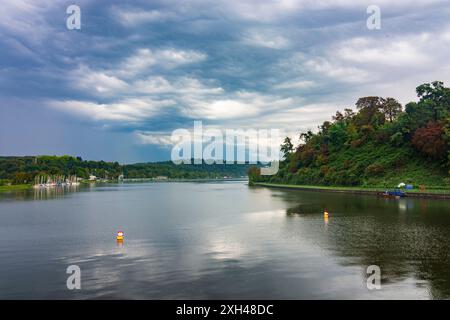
382	146
432	193
49	171
23	187
15	187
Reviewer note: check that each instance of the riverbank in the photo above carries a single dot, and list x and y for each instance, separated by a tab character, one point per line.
20	187
184	180
433	193
15	187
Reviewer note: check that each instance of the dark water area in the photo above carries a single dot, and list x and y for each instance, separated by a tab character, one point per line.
220	240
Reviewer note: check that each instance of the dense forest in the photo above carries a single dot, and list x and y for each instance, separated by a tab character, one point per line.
380	144
185	171
23	170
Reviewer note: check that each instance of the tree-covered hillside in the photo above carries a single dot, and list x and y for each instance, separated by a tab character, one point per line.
378	145
23	170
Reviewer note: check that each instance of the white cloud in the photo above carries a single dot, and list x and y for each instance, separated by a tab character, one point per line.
144	59
221	109
307	116
128	110
178	86
270	11
153	85
263	11
290	120
393	52
155	138
296	84
250	139
103	84
372	63
135	17
173	58
138	62
336	70
237	105
21	18
265	38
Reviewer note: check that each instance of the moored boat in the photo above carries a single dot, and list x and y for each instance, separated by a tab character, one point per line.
392	194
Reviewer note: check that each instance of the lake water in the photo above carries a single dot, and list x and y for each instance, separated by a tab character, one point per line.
220	240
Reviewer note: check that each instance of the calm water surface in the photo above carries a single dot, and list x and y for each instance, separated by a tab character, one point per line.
220	240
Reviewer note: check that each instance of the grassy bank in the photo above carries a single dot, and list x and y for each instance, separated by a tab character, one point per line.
438	193
15	187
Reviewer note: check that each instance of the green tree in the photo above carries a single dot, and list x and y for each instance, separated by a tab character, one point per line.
338	134
254	174
436	97
391	108
369	111
287	147
306	136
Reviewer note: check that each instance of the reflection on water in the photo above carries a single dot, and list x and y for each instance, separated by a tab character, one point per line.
44	193
41	193
407	238
221	240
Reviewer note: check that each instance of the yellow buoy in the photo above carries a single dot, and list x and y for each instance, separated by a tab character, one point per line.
119	236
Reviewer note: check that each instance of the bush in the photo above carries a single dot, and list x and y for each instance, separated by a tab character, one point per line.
374	170
430	141
396	139
5	182
356	143
324	170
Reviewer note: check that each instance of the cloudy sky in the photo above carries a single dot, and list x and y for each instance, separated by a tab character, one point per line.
137	70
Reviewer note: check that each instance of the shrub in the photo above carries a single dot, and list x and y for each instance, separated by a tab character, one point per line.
5	182
374	170
396	139
356	143
324	170
430	141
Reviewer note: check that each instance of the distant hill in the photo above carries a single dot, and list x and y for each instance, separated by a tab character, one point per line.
379	145
185	171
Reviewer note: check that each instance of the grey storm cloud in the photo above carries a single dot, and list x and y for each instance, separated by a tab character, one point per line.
149	67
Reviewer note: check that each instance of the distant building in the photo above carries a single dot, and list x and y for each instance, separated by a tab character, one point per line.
161	178
92	178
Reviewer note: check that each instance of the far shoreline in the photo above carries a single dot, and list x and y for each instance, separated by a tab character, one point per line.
443	194
15	187
23	187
